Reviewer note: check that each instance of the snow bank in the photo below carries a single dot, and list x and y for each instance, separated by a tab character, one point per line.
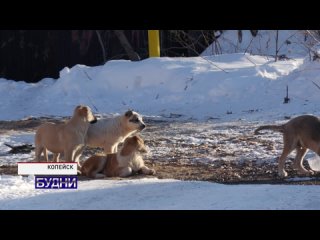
198	88
145	194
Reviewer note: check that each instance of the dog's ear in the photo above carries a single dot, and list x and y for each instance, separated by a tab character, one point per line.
83	111
135	138
139	143
80	107
129	113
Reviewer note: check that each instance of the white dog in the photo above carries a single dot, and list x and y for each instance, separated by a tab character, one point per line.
108	133
67	138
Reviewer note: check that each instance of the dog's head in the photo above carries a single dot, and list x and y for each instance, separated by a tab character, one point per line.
133	144
85	113
133	121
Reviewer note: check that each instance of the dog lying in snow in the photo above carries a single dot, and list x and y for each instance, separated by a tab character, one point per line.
121	164
300	133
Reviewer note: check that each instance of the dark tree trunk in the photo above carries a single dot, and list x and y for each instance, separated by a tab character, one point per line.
254	32
133	56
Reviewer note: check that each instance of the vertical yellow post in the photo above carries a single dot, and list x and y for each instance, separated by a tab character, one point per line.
154	43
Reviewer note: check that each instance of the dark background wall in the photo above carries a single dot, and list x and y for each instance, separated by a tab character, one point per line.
31	55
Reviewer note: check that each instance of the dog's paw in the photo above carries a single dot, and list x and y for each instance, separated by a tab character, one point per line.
152	172
311	172
305	171
282	173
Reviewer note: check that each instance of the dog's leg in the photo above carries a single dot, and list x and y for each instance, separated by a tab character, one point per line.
68	155
38	152
77	156
93	172
56	157
115	148
125	171
287	149
298	161
78	153
74	157
147	171
45	154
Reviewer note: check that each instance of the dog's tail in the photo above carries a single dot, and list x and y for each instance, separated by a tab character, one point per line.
278	128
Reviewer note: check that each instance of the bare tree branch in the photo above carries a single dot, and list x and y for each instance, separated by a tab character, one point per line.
87	75
248	45
316	84
102	46
277	50
133	56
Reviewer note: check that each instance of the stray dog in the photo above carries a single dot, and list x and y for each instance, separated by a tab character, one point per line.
120	164
108	133
67	138
300	133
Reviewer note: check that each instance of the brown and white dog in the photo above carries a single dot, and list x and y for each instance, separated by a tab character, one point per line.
300	133
108	133
67	138
121	164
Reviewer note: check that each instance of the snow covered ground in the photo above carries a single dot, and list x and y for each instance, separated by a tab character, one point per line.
291	43
215	91
149	194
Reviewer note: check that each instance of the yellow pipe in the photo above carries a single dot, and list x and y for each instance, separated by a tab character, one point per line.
154	43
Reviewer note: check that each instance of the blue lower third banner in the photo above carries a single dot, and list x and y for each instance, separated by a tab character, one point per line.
56	182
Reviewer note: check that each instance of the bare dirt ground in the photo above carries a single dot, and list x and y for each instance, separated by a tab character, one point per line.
204	151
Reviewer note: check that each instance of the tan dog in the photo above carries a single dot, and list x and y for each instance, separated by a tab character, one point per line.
108	133
67	138
121	164
300	133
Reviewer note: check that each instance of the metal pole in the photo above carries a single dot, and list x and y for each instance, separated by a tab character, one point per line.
154	43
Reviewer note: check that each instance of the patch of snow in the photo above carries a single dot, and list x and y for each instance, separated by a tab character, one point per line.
314	162
147	194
